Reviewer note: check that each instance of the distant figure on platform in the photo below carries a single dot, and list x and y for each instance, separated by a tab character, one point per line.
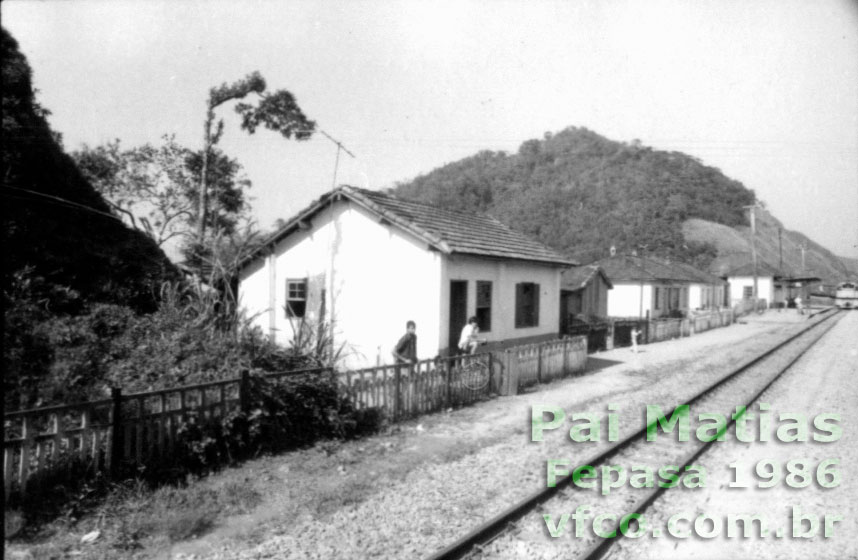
405	351
635	334
798	305
468	340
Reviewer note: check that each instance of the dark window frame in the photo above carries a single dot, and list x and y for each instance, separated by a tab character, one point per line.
296	298
483	307
526	305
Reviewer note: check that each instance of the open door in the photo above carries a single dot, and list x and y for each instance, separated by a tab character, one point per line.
458	312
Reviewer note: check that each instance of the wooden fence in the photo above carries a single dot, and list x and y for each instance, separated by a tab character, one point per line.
99	436
668	329
145	428
406	391
746	306
711	320
543	362
597	334
620	333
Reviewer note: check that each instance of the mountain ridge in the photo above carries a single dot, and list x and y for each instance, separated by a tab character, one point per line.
581	193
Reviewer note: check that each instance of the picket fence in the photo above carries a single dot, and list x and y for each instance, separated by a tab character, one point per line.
406	391
145	428
101	435
667	329
711	320
746	306
543	362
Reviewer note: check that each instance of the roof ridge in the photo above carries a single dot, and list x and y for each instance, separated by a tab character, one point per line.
428	205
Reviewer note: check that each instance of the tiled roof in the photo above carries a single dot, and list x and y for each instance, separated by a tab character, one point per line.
741	264
449	231
630	268
577	278
703	277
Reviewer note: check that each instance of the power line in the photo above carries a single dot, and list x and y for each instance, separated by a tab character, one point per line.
63	202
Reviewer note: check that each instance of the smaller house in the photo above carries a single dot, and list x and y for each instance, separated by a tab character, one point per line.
583	292
779	287
705	291
649	287
739	272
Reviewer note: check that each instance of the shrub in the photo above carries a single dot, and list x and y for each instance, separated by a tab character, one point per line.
282	415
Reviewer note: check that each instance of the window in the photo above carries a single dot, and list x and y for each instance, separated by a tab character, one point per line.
526	305
748	292
484	305
296	297
657	298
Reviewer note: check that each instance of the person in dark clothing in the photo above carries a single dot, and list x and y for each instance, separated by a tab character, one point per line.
405	351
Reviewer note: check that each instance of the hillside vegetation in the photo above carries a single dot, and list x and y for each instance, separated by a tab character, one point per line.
780	250
581	193
56	225
90	303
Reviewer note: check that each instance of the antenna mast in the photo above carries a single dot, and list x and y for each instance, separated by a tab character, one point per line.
340	147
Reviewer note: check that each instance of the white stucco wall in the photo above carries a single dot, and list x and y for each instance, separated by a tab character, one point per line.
625	300
504	275
765	287
705	296
375	277
696	293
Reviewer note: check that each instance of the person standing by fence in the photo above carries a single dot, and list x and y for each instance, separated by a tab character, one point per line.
635	334
405	351
468	340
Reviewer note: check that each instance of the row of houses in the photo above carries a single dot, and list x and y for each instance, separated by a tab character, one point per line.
356	265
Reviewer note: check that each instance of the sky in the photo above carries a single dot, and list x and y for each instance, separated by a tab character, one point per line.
764	90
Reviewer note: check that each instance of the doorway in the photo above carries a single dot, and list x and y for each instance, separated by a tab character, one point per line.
458	312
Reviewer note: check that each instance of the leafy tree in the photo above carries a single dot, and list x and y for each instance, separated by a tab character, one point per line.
155	187
277	111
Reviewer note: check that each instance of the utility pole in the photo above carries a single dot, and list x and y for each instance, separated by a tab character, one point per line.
803	248
643	248
780	251
753	209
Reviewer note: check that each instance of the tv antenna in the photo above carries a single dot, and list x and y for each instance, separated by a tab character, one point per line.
340	147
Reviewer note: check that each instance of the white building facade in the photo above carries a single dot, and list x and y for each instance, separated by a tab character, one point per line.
357	265
647	287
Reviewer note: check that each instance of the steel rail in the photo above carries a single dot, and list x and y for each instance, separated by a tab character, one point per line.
601	548
489	530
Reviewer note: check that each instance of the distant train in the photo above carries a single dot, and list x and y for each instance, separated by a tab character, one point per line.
846	295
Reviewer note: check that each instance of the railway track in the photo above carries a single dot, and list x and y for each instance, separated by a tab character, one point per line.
514	532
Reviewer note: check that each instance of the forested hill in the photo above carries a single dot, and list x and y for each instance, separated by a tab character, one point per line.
57	228
581	193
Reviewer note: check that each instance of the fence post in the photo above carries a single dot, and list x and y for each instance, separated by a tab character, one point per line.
27	433
397	379
449	397
539	363
491	382
244	391
566	356
116	435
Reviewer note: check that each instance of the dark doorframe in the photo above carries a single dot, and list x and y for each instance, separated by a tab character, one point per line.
458	311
